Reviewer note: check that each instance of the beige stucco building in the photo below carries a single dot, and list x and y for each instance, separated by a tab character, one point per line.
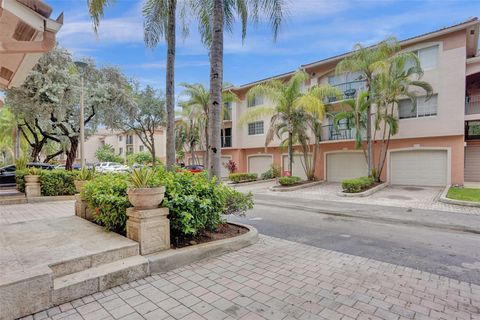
124	143
438	142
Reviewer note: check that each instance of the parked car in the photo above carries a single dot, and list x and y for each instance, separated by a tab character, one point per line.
75	166
7	173
111	167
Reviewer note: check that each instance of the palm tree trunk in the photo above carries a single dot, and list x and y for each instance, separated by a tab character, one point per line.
216	84
290	151
170	85
369	140
153	151
206	160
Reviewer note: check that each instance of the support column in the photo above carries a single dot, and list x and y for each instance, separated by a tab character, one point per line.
150	228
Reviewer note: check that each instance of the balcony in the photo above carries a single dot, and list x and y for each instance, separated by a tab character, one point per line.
226	141
472	105
332	133
349	90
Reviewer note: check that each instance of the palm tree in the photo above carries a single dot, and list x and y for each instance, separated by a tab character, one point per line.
160	23
199	97
400	80
188	128
369	61
215	16
287	101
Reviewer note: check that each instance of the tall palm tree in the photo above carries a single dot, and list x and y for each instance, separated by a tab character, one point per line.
199	97
369	61
188	130
287	100
159	23
400	80
215	16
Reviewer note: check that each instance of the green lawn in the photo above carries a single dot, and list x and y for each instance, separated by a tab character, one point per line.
465	194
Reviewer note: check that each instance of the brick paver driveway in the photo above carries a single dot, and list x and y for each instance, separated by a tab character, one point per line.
277	279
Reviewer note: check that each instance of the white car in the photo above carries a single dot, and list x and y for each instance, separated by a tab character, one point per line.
111	167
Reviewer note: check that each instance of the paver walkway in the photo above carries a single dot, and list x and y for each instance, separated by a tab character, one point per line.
14	213
279	280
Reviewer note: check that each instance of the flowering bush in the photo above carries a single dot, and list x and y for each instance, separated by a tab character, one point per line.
231	166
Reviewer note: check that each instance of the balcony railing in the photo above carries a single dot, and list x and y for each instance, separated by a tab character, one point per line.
330	132
226	141
349	90
472	105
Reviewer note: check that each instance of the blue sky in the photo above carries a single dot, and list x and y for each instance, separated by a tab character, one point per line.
313	30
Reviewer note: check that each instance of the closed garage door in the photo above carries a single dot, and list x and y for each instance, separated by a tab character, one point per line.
224	171
259	164
419	167
346	165
297	166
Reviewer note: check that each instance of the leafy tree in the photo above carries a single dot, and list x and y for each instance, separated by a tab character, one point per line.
140	158
215	16
188	131
144	115
368	62
106	153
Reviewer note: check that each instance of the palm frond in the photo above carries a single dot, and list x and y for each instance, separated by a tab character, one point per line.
256	113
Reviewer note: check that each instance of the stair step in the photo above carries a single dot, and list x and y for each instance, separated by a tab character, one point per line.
102	277
94	260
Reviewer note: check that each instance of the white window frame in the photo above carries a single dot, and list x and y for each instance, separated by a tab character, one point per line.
256	128
423	115
255	101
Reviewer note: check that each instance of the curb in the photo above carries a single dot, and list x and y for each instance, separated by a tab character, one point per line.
365	193
352	214
232	184
171	259
50	198
443	198
276	188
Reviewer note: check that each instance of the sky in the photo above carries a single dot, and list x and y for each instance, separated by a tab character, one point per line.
312	30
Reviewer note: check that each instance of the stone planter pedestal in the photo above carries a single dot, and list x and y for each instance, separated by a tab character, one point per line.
32	186
150	228
80	207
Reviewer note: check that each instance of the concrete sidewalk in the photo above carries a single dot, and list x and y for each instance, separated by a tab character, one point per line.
389	214
281	280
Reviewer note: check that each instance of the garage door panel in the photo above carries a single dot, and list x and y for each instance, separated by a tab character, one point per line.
297	166
259	164
419	167
346	165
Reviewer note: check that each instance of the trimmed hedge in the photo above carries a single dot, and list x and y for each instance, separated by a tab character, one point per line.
57	182
20	179
357	185
242	177
288	181
272	173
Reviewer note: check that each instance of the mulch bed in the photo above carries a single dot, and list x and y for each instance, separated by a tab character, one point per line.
224	231
372	186
279	186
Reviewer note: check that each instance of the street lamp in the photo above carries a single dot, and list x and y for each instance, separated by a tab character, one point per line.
81	67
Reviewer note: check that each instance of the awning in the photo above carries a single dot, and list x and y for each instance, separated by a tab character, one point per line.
26	32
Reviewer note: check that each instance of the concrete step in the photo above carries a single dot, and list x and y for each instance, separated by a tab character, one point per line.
99	278
76	265
13	200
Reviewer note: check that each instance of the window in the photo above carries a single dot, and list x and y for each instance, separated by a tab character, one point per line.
120	151
120	138
141	148
428	58
129	150
255	101
255	128
406	109
129	139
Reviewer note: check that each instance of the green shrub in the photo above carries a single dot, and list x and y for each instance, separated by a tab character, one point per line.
237	203
272	173
106	153
106	195
20	179
288	181
357	185
57	182
242	177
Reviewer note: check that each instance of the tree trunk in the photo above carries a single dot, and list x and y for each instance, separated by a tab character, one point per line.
206	160
170	84
216	84
154	157
290	150
36	150
72	153
369	140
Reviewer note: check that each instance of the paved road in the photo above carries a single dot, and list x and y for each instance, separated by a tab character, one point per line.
443	252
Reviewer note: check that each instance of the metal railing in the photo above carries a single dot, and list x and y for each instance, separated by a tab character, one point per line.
349	90
330	132
226	141
472	104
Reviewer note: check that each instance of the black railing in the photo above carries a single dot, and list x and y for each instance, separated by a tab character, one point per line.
226	141
349	90
472	105
341	132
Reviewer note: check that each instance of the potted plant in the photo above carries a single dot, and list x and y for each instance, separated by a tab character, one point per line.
83	176
146	192
33	175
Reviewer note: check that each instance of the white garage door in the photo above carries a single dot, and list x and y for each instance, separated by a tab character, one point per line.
259	164
419	167
297	166
346	165
224	171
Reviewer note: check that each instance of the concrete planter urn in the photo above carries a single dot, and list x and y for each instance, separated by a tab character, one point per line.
79	184
29	178
146	198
